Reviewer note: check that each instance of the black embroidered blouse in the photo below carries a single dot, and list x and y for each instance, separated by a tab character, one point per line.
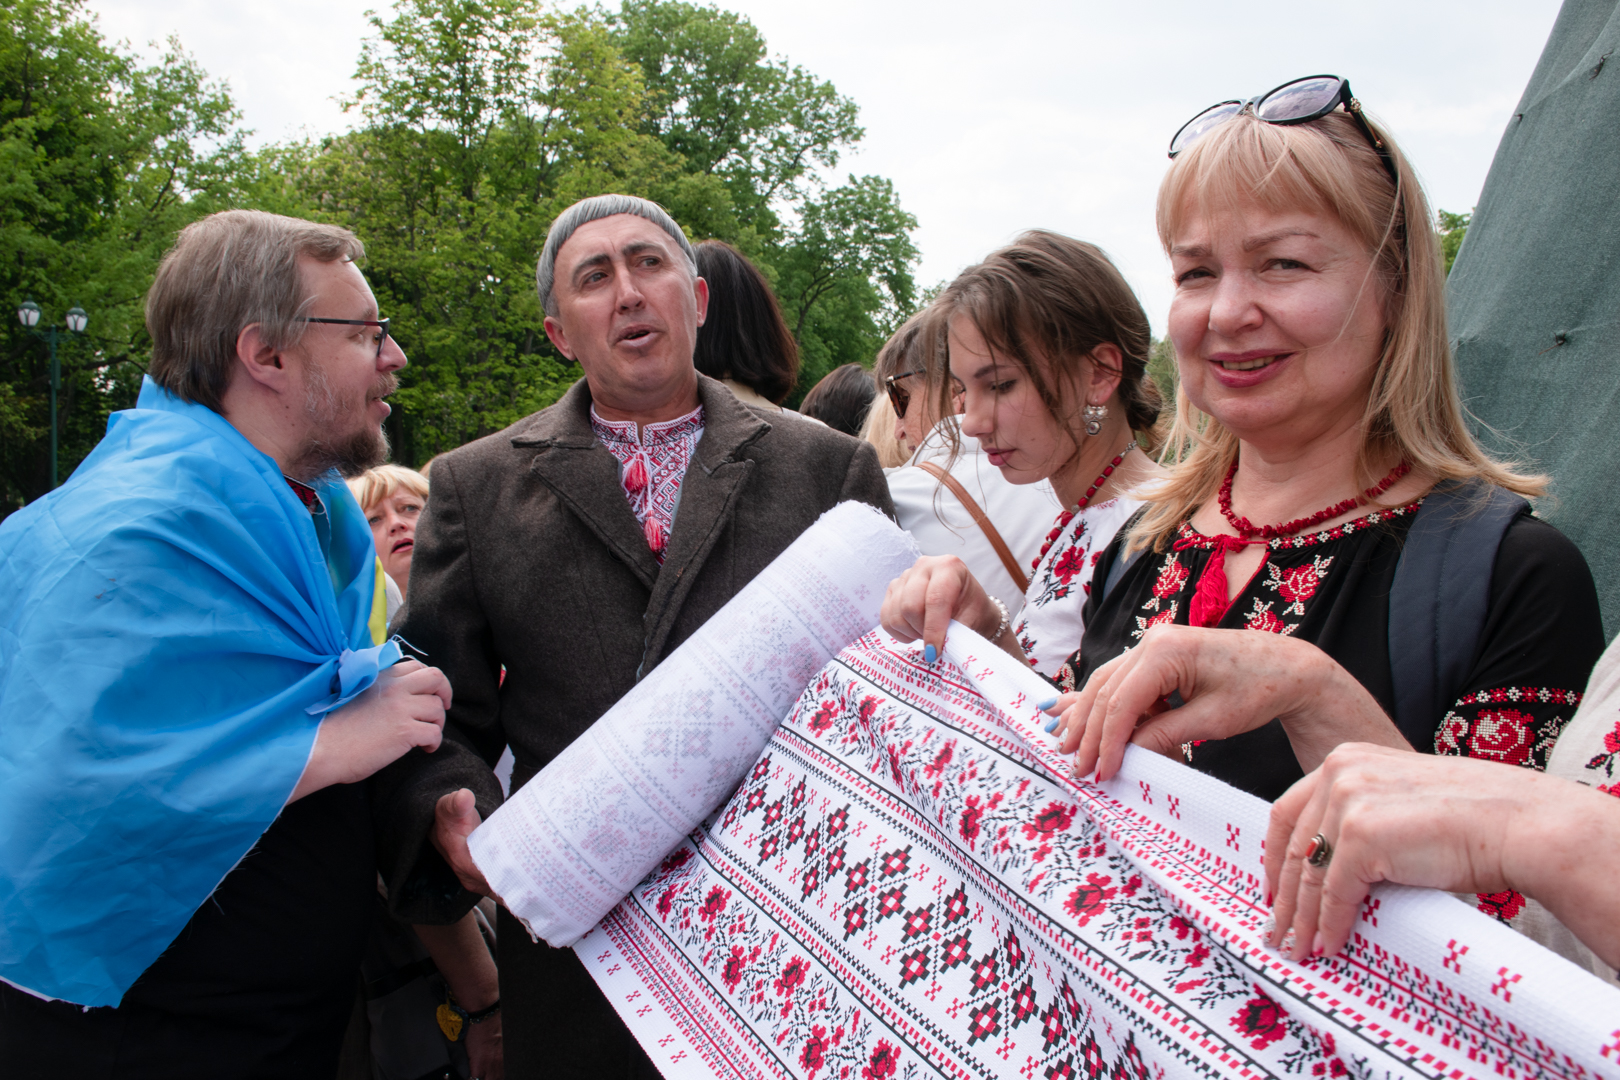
1541	638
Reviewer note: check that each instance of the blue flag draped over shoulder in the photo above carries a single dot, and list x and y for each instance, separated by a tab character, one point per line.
171	633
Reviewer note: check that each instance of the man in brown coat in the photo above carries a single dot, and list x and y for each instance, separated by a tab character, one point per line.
577	549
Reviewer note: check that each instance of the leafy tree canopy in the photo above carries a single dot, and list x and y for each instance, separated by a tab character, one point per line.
476	123
102	161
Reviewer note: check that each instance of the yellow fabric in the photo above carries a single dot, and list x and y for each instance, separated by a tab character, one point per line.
379	608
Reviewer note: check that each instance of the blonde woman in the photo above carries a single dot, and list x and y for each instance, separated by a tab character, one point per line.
1317	415
883	432
392	497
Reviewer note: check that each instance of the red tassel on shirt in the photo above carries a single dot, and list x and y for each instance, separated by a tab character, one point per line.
635	475
654	534
1211	599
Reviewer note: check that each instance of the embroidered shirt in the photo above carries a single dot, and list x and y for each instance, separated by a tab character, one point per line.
1052	623
1542	634
652	464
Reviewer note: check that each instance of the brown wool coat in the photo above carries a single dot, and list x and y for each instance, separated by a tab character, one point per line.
529	556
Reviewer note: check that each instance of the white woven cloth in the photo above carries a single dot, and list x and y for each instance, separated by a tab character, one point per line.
908	884
578	836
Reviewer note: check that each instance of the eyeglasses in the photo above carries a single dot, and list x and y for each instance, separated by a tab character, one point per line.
381	324
1296	102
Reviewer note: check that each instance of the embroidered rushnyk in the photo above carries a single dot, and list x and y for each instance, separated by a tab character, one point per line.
907	884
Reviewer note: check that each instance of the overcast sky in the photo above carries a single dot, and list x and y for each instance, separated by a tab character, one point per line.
994	117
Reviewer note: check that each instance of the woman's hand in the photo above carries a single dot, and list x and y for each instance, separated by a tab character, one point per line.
1231	681
922	601
1447	823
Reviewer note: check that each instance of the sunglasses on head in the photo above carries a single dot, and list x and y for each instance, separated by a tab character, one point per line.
1296	102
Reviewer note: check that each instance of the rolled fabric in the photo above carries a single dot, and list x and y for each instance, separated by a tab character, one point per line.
565	849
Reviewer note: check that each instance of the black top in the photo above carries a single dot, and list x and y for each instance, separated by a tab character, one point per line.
1541	638
260	983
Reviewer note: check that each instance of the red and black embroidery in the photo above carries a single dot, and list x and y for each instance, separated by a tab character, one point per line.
1516	725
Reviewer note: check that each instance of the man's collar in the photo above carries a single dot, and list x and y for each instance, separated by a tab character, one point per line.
728	425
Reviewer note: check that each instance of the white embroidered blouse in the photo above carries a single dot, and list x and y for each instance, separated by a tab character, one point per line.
1051	625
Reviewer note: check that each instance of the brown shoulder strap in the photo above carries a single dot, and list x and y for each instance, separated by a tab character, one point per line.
1013	569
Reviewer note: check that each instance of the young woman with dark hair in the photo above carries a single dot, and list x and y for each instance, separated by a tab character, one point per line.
1047	349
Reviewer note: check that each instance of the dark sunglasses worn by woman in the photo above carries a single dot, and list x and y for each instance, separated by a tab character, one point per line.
1296	102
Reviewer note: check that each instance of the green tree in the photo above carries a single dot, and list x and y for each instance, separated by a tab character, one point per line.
1453	227
717	99
102	161
841	258
845	276
482	120
1161	368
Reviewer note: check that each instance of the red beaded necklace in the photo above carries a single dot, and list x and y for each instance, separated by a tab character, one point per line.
1068	515
1210	600
1248	529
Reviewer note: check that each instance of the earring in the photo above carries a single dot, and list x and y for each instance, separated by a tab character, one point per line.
1095	415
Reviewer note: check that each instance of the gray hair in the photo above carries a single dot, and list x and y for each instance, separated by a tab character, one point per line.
594	209
226	272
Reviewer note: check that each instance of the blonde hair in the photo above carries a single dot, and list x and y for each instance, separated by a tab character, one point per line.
374	485
879	431
1414	411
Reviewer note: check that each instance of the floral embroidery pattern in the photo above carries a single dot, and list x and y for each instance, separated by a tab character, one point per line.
1516	725
1049	624
1297	584
1261	617
1611	750
896	890
653	461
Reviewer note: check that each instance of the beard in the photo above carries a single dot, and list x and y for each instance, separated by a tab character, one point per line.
339	444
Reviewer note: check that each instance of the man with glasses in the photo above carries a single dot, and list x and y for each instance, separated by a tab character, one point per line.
561	560
193	681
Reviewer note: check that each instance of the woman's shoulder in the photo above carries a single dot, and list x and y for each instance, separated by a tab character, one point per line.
1532	540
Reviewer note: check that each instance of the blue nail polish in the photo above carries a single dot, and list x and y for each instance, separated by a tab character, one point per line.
1052	724
929	654
1047	704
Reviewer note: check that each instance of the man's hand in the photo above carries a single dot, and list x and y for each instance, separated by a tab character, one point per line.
455	817
404	708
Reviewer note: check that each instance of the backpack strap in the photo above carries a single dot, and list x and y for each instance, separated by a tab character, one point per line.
1438	601
1003	552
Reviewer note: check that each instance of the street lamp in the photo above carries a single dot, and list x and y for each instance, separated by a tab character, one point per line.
28	314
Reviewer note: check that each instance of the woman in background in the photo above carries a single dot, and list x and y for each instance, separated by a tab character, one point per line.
882	432
841	399
743	341
392	497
